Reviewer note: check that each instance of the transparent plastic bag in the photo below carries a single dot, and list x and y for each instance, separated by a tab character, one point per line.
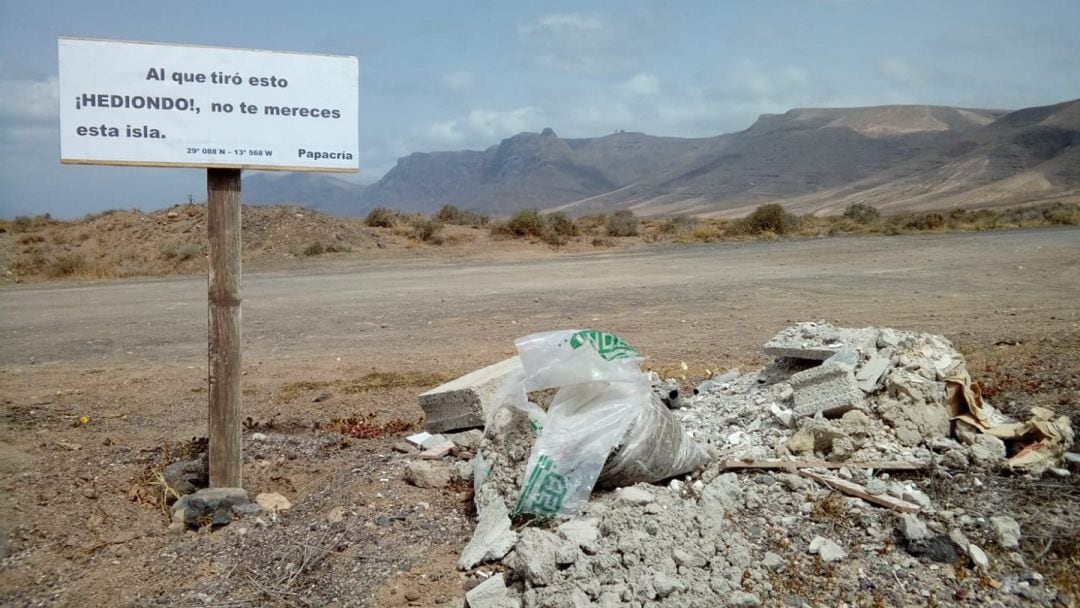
604	403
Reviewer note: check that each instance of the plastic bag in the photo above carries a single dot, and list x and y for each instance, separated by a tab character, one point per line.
604	402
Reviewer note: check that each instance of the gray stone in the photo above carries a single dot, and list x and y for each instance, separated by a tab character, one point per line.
877	486
987	450
635	495
425	474
828	389
827	549
912	528
742	599
689	559
1007	531
665	584
918	497
467	440
1059	472
772	560
1072	458
870	373
534	556
463	403
978	556
492	539
212	505
187	476
491	593
583	532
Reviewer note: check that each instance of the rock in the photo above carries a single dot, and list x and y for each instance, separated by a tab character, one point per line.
1059	472
912	528
258	437
467	440
411	595
987	450
1007	531
336	515
978	556
272	501
666	584
689	559
403	447
491	593
877	486
1072	458
89	492
914	423
463	403
772	560
250	508
742	599
187	476
635	495
940	549
582	532
423	474
918	497
492	539
208	505
827	549
222	516
534	556
829	389
786	417
869	374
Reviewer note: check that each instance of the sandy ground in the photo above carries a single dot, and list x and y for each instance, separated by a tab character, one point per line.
132	357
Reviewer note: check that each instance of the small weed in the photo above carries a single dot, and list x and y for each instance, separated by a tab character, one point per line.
362	428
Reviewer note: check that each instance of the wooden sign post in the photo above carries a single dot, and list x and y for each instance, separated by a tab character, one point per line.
225	110
223	232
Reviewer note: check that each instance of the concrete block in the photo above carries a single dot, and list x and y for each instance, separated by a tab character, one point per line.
829	389
491	593
463	403
869	375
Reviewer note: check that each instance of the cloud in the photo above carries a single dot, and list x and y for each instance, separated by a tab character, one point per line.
29	101
900	71
460	80
640	85
577	42
478	128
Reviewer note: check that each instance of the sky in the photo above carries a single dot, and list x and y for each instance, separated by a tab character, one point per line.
466	74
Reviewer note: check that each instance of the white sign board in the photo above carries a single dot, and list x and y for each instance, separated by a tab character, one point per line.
163	105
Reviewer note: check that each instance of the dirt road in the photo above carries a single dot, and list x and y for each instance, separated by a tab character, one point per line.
131	356
697	302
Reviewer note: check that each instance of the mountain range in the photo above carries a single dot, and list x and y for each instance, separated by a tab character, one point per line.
898	158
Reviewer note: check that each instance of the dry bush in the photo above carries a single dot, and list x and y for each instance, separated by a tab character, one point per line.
27	238
862	213
65	265
381	217
678	224
1062	214
622	223
450	214
707	232
602	242
926	221
180	253
427	230
768	218
315	248
527	222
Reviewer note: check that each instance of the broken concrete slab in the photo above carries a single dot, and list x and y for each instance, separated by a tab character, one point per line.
582	532
534	556
870	373
492	539
491	593
818	341
828	389
463	403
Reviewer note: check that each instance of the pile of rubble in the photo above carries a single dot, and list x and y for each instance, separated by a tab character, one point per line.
801	503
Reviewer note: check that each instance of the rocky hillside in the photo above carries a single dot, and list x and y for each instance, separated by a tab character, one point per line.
899	158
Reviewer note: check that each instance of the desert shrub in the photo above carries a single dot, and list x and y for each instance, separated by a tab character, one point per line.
65	265
27	238
707	232
428	230
84	235
527	222
769	218
559	224
1062	214
622	223
862	213
926	221
592	225
178	252
380	217
677	224
21	223
314	248
451	214
603	242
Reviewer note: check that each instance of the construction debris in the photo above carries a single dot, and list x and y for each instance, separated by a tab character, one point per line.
463	403
818	435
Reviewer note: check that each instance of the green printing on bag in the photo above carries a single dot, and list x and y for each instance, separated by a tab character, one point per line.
609	346
544	491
